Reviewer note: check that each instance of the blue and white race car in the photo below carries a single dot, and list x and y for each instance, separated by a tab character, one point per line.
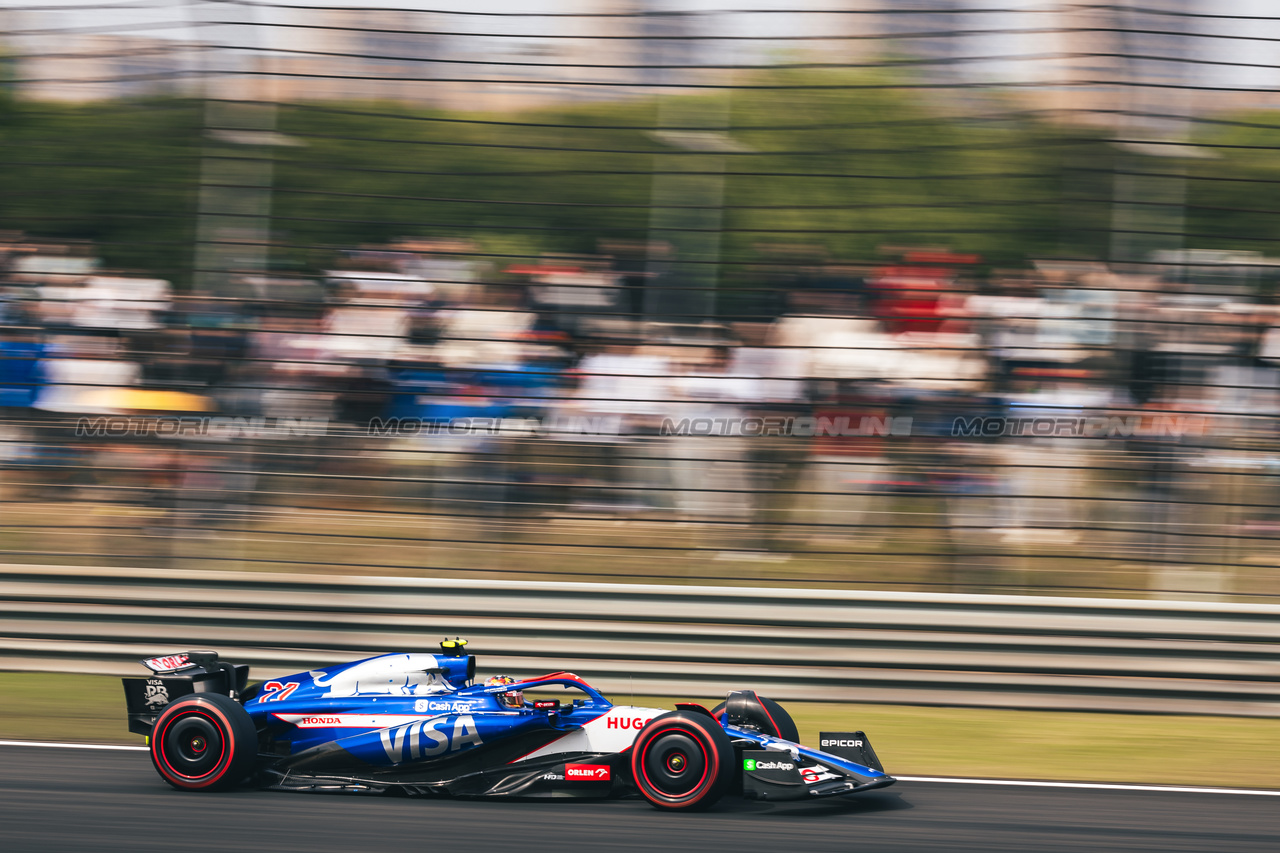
420	724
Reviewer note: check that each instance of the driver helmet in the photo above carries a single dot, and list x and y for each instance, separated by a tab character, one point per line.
511	699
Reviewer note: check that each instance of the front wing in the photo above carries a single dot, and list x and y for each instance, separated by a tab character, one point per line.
785	771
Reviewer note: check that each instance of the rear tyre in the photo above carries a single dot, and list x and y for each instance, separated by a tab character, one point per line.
204	742
767	715
682	761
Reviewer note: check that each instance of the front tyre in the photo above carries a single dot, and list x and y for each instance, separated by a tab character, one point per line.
682	761
204	742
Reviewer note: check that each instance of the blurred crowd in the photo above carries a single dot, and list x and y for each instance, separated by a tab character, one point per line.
427	374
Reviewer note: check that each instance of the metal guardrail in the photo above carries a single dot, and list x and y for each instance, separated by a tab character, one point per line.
884	647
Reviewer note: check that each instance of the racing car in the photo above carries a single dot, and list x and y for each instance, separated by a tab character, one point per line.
420	724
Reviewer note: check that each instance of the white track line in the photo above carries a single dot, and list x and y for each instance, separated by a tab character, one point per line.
72	745
1093	786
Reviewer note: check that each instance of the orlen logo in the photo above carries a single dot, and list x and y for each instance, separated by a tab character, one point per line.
856	743
751	764
626	722
586	772
166	664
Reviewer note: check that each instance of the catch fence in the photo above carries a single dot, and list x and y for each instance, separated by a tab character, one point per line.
664	640
923	297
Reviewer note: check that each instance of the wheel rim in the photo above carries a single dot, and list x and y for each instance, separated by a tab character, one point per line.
193	746
674	764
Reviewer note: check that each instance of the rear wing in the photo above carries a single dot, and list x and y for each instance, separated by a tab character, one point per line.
177	675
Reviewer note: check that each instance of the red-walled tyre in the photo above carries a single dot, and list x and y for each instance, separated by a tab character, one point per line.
682	761
204	742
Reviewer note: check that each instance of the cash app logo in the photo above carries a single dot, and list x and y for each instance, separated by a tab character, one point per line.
749	764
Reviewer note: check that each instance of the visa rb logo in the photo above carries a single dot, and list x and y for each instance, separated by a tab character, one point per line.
426	738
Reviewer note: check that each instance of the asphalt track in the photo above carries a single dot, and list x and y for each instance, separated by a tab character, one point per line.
54	799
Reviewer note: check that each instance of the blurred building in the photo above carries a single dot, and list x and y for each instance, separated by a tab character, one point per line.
590	50
462	63
104	66
1188	56
1099	64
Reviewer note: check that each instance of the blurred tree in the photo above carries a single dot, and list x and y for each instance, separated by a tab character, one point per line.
8	73
1231	191
844	161
120	173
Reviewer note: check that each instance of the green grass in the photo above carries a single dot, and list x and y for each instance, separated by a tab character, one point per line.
1170	750
398	539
